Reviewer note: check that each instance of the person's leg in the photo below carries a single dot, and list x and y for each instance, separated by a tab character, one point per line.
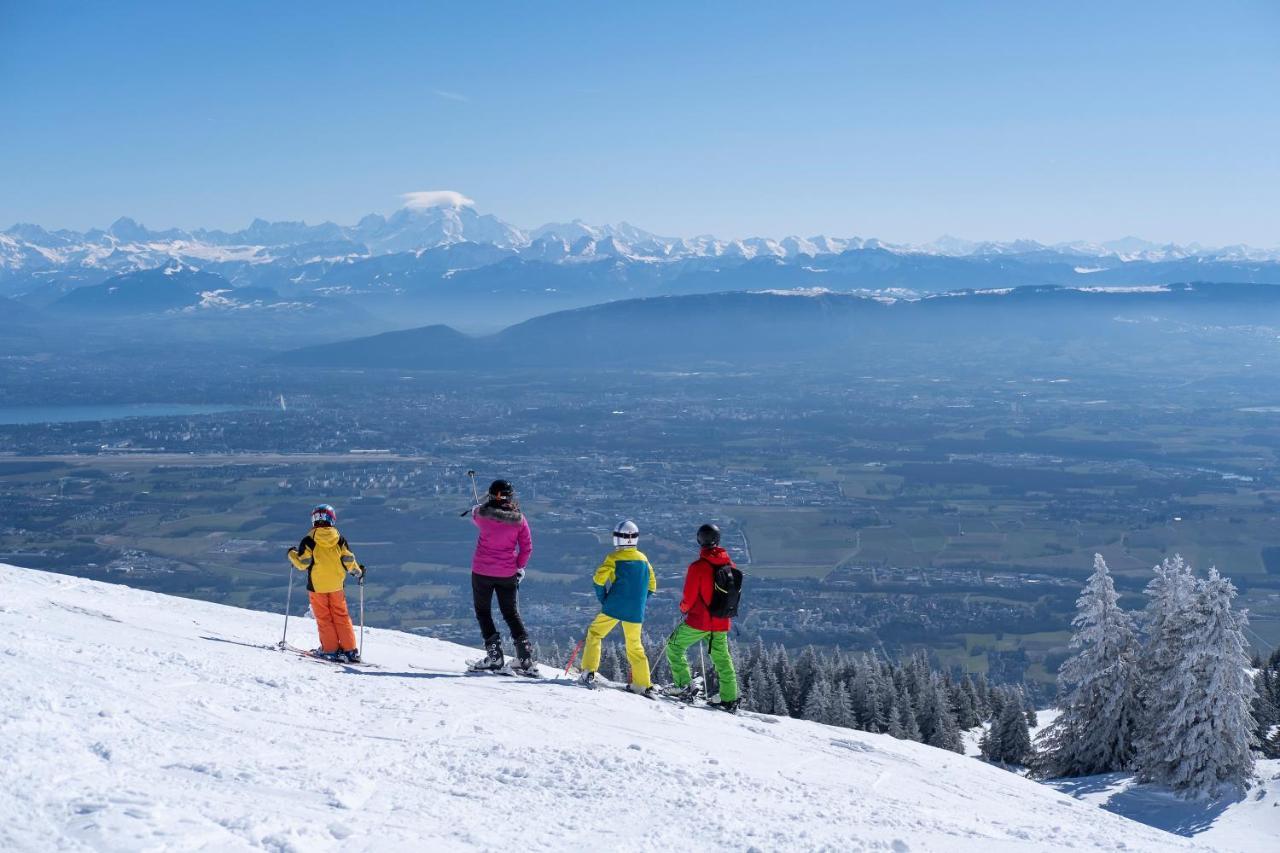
509	603
677	647
324	622
635	654
342	626
600	626
482	598
724	666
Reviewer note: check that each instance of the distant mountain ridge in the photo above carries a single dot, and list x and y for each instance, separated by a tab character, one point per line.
809	327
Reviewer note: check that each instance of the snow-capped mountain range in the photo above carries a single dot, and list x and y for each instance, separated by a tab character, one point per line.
127	245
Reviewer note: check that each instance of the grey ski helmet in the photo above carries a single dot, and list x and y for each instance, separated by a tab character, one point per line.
625	534
708	536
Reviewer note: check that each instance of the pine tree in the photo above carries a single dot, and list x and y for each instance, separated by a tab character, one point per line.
808	673
972	706
611	666
897	722
818	706
1205	744
983	691
1008	741
937	723
779	702
787	679
962	706
763	686
1100	715
1169	597
841	708
910	720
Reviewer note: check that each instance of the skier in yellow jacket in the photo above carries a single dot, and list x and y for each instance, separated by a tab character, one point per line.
624	582
323	554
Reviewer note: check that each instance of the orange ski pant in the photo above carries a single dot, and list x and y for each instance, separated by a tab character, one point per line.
333	621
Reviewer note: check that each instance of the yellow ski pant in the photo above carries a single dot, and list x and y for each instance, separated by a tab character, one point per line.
599	629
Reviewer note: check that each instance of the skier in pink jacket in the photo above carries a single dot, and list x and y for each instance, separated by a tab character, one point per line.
502	551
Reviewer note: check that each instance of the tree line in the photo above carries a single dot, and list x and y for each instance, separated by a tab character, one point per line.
909	700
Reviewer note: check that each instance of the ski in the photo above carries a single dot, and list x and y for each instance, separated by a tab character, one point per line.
310	655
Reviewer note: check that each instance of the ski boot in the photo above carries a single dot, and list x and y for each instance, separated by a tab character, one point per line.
323	655
588	680
720	705
493	658
688	693
349	656
646	692
524	656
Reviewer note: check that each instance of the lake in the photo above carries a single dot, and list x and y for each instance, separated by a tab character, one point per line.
10	415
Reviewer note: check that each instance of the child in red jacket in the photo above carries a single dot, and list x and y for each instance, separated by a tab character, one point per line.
699	624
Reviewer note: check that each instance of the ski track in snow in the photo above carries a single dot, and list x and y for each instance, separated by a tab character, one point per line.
135	721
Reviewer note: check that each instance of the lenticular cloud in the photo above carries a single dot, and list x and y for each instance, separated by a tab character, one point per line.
436	198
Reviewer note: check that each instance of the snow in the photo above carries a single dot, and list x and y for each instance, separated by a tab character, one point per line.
1137	288
132	720
1248	822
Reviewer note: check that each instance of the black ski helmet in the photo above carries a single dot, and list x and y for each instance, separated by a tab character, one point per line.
708	536
501	489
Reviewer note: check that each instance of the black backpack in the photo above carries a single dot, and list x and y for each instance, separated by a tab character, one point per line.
726	591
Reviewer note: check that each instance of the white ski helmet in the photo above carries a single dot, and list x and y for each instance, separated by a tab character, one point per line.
625	534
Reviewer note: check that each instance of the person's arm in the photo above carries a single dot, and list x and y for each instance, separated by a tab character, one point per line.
524	541
349	561
301	557
604	575
690	596
653	578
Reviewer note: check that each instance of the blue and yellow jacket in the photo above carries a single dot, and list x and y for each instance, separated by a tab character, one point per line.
624	582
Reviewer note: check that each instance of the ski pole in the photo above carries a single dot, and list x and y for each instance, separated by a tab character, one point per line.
702	660
662	647
474	493
288	601
568	666
362	610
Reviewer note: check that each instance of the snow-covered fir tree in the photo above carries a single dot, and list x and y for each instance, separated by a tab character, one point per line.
1266	705
1100	712
1202	744
907	717
1169	596
1008	740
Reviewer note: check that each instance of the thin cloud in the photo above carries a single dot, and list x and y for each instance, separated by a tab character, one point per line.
452	96
424	199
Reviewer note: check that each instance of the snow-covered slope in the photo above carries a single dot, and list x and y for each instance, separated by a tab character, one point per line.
136	721
1246	823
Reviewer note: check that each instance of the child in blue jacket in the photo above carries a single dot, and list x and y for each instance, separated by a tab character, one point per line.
624	582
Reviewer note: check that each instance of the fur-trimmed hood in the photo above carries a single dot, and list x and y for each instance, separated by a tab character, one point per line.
505	514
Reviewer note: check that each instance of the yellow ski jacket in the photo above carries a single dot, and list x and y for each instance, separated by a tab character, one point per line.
323	554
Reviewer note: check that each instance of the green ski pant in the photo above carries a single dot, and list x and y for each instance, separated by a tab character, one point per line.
678	646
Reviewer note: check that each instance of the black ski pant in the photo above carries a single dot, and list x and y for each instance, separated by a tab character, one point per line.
482	589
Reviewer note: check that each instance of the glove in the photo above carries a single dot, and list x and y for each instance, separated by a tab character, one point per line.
519	576
600	594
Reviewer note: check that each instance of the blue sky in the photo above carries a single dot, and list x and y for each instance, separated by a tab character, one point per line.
898	120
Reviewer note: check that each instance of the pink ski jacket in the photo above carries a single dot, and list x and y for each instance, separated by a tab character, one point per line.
504	546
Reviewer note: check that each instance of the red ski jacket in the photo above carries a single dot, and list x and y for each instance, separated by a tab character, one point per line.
698	585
